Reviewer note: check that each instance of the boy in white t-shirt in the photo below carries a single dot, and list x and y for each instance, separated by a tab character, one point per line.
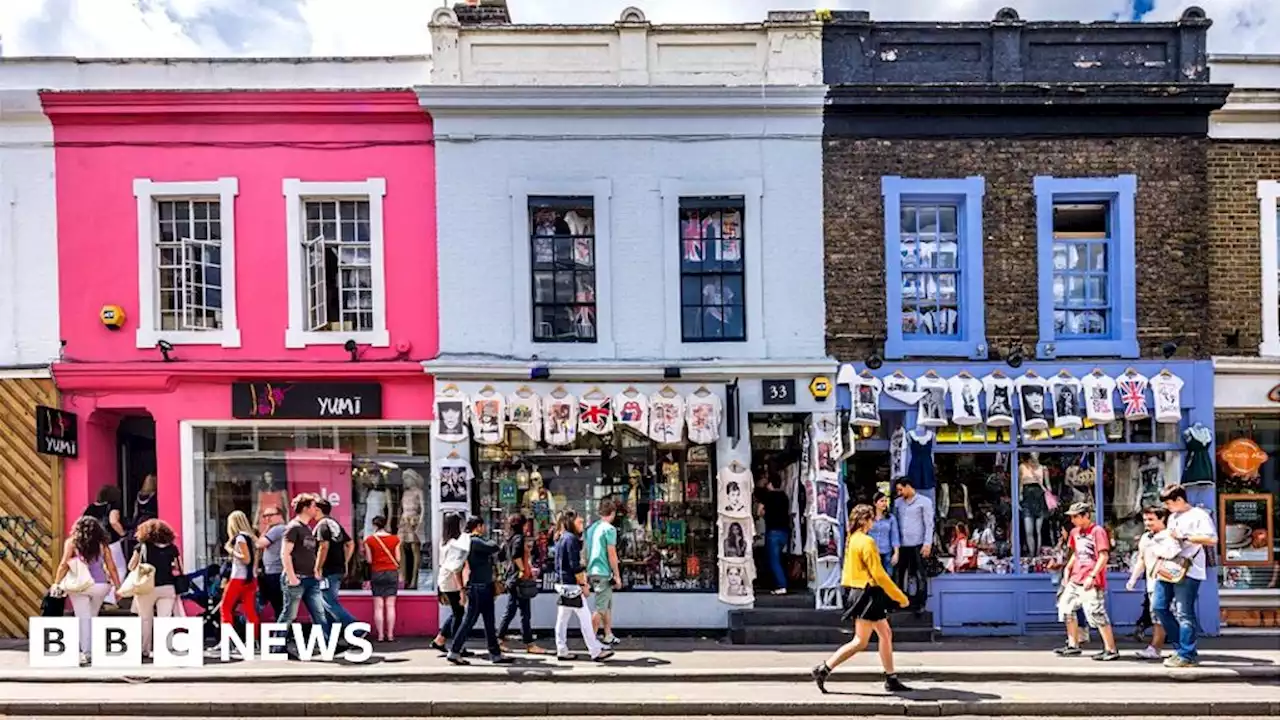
1154	546
1175	603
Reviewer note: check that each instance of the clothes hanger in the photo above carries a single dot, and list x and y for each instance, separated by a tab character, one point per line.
524	391
1164	372
702	391
1033	374
667	392
866	374
1130	372
487	391
559	393
1064	374
593	394
631	391
998	373
931	373
453	454
900	374
449	390
964	374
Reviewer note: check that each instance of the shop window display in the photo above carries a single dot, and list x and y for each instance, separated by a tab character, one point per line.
667	515
365	472
1246	479
1131	482
712	284
975	513
1048	484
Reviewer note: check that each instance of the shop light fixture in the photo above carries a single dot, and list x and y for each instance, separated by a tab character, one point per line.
671	373
1169	349
165	347
351	347
1014	357
542	372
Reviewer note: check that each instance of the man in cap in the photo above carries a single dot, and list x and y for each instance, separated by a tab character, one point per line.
1086	583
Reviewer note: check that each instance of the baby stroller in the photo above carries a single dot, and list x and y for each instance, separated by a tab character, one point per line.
206	592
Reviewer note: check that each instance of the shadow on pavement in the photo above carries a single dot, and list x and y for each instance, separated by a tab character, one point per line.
926	695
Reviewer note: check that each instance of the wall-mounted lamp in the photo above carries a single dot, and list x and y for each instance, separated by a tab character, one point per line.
165	348
351	347
1013	358
1169	349
671	373
874	361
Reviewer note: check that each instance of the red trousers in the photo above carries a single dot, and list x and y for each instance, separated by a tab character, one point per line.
240	591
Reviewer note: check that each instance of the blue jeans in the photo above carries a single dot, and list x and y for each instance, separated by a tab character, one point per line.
308	591
479	608
1175	607
337	614
775	542
886	559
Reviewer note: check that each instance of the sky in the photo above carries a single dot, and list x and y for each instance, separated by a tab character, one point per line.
214	28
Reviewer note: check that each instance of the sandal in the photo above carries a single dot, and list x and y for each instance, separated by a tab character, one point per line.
536	650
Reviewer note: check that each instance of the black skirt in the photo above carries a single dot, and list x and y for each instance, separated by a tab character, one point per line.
869	603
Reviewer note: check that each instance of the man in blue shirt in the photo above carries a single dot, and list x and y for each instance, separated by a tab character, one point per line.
914	513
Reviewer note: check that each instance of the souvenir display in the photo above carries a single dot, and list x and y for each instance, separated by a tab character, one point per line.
865	392
735	492
704	413
1098	391
595	413
666	417
1133	387
965	389
1031	392
999	391
736	581
451	416
560	425
735	538
488	417
901	388
1166	388
524	411
932	408
455	476
631	408
1065	391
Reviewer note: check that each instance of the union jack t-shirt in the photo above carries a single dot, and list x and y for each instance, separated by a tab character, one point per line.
1133	395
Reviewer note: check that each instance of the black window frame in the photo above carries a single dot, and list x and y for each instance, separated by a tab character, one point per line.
562	264
712	265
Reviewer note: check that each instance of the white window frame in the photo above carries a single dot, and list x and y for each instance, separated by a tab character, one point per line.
296	193
751	190
600	190
147	193
1268	192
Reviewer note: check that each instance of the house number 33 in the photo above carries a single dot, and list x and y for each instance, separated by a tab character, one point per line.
779	392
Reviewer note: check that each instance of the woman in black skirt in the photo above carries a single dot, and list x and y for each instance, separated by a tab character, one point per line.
872	595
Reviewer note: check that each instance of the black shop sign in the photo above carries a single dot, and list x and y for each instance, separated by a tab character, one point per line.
56	432
266	400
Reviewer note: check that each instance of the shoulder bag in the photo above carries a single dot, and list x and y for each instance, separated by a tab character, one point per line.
140	580
1174	570
526	586
77	579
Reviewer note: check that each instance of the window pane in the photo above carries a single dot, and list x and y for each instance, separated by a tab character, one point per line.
562	238
947	219
1098	256
712	264
910	322
1131	482
691	321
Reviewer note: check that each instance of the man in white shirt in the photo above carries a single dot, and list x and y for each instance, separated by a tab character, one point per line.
1175	603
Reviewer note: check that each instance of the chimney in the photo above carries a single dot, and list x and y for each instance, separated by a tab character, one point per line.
482	12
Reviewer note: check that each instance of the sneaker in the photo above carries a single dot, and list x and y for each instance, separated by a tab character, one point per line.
779	591
457	659
894	685
1177	661
566	657
1148	653
501	660
820	674
611	640
603	656
440	647
1107	656
1067	651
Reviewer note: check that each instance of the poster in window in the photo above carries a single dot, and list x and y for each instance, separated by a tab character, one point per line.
735	538
1246	529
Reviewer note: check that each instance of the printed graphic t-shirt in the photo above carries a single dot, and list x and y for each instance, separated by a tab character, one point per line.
1088	544
1065	392
1167	391
933	404
1098	391
964	400
1034	394
703	416
304	548
999	391
1133	389
632	410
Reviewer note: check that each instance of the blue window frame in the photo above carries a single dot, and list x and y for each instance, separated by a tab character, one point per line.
933	267
1085	255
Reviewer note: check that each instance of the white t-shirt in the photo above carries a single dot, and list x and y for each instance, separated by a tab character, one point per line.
1033	394
735	501
703	413
526	414
455	478
666	418
965	391
1133	396
1000	394
866	401
898	459
451	418
489	419
632	409
1167	391
1193	523
1152	548
901	388
596	416
933	404
1066	402
560	421
1098	397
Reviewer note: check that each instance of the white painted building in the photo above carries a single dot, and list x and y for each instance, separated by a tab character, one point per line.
631	206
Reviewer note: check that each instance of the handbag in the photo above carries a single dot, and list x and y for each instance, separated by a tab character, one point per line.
1050	500
140	580
1172	571
77	579
53	606
526	587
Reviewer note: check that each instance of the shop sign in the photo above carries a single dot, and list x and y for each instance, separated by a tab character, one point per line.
1243	457
56	432
306	401
820	387
1274	395
1246	529
778	392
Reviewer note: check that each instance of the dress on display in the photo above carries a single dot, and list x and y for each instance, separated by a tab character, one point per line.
375	504
920	469
1199	464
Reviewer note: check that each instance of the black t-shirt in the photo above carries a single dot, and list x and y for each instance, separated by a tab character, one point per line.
514	551
777	510
335	561
304	548
164	558
102	513
481	557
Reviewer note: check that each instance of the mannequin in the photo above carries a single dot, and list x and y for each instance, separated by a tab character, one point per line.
269	494
539	503
410	527
144	508
376	502
1032	477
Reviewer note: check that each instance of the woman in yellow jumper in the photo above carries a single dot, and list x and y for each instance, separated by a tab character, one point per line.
873	595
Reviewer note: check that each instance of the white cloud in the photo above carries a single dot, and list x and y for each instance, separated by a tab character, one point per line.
122	28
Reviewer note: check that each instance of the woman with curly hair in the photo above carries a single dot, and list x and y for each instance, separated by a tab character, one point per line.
88	543
156	548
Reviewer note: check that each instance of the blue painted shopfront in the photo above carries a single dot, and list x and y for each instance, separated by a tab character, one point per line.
1019	598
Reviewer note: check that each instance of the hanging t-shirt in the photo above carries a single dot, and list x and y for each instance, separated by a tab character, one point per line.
1166	388
735	492
898	454
451	418
455	477
1133	396
999	392
631	409
596	416
1031	393
666	418
526	414
965	409
901	388
488	419
933	403
1066	402
561	420
865	393
703	413
1099	404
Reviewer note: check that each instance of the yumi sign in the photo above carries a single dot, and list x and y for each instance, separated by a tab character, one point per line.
116	642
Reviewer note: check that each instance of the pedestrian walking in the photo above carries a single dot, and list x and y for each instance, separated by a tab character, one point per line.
1154	546
298	558
914	513
872	595
521	587
885	532
87	552
480	560
1179	578
449	583
242	585
270	566
603	574
572	589
333	556
106	509
382	553
1086	584
155	547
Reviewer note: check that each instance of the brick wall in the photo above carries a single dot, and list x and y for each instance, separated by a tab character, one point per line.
1235	288
1171	218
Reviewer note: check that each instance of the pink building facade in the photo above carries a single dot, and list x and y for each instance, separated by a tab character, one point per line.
247	286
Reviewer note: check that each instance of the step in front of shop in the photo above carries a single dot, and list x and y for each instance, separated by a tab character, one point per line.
795	625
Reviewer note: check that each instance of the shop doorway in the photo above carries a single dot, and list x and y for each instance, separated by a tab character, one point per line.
135	458
777	440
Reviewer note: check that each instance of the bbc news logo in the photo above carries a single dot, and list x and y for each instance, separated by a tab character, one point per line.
116	642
